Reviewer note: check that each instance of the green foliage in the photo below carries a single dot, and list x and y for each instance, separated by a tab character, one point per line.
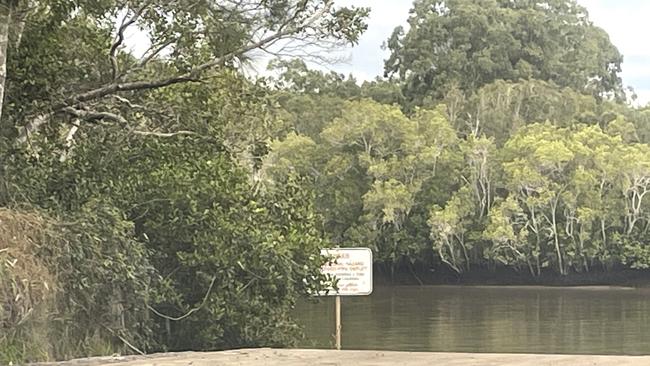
636	254
449	227
147	166
84	284
110	274
368	170
508	233
197	209
500	108
41	71
382	91
294	76
473	43
185	230
478	181
532	163
171	203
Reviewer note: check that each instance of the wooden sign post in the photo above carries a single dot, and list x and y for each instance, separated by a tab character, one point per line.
338	322
352	269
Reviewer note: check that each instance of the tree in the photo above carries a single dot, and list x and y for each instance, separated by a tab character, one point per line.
449	228
382	91
372	169
500	108
189	42
473	43
153	155
240	258
480	163
216	262
507	230
640	117
537	165
295	77
310	98
295	155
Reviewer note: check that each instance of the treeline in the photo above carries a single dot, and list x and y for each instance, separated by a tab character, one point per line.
553	196
162	200
499	136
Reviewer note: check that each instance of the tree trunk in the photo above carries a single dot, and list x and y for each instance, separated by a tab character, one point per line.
555	237
537	240
5	19
530	267
18	20
461	241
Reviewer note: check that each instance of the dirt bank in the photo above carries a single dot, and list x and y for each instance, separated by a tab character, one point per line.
296	357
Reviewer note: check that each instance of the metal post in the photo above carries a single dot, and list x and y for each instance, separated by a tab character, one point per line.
338	322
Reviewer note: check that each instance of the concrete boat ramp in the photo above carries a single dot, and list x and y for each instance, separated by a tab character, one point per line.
310	357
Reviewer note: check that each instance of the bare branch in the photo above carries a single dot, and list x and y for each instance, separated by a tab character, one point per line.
127	102
205	299
164	134
119	38
125	341
94	116
153	52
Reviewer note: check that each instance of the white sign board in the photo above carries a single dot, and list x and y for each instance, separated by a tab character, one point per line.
352	267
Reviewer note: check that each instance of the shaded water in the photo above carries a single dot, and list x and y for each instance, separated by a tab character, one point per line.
486	319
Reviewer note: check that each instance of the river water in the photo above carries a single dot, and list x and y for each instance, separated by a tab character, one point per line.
486	319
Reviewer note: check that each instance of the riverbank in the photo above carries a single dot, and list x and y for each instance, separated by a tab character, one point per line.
420	275
300	357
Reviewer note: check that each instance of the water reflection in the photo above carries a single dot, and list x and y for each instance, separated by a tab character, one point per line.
486	319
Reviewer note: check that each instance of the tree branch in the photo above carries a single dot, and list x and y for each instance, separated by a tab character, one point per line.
205	299
191	76
122	87
119	38
153	52
94	116
127	102
127	343
164	134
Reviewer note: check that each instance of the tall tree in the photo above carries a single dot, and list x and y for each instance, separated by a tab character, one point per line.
473	43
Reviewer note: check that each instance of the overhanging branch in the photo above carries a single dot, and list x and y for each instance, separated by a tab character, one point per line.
194	75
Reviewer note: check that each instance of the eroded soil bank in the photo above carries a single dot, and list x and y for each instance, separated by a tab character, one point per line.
296	357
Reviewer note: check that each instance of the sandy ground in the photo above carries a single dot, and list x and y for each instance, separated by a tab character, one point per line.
295	357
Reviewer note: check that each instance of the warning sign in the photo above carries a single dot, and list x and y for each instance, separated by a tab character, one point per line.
352	267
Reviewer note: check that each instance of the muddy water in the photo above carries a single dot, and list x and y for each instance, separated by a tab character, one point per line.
487	319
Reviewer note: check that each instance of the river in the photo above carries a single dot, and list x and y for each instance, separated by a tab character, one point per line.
486	319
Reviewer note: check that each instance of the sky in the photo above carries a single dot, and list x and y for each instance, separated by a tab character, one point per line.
626	21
